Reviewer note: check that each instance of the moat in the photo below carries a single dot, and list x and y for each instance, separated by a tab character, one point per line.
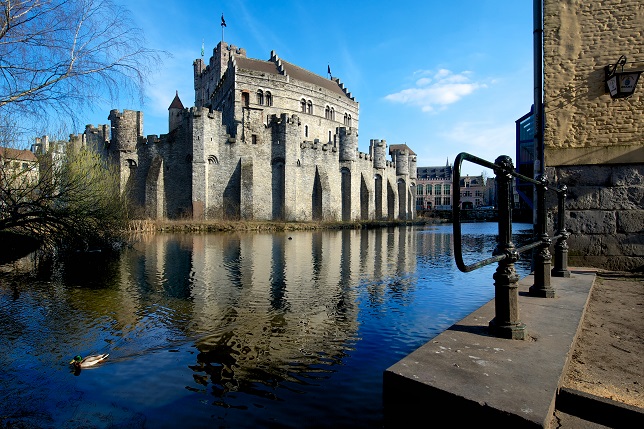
289	329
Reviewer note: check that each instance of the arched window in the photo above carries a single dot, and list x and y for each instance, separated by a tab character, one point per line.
332	116
309	107
269	98
349	121
260	97
327	115
428	188
306	130
303	105
329	136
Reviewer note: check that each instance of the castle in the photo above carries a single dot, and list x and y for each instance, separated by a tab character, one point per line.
265	140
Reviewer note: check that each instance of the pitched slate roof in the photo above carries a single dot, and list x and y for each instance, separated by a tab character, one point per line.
22	155
290	69
176	103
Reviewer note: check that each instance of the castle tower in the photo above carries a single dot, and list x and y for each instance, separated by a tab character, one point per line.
207	77
378	150
127	127
401	159
174	113
413	171
348	144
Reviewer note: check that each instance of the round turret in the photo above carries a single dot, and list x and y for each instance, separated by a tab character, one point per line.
378	149
348	144
126	129
413	172
402	162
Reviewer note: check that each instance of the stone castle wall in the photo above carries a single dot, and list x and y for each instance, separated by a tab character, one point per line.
595	144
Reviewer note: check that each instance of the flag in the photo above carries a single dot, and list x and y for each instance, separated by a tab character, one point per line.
223	21
202	48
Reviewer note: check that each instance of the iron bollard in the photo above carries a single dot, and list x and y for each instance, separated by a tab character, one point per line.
506	323
561	247
542	260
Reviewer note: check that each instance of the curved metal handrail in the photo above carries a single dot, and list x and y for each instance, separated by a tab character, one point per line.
499	169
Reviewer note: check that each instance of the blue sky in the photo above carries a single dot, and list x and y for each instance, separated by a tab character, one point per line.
443	77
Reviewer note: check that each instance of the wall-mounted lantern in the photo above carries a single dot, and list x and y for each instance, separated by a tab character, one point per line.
620	84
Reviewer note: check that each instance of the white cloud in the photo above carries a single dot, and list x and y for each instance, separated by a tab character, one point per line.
483	139
437	91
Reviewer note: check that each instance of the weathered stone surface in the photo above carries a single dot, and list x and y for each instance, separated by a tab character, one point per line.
622	198
583	198
580	245
623	245
584	175
591	222
631	221
615	263
628	175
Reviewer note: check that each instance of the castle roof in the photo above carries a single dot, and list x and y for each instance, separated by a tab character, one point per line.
395	147
291	70
17	154
176	103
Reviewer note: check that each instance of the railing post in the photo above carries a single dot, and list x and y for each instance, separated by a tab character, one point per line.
506	323
542	260
561	247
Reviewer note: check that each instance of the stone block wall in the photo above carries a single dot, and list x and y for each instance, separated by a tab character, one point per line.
595	144
604	215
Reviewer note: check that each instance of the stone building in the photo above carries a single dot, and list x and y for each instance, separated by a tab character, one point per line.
594	144
434	188
265	140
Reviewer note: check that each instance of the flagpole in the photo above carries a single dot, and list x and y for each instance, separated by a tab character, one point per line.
223	24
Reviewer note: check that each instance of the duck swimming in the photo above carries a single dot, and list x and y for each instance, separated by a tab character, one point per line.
88	361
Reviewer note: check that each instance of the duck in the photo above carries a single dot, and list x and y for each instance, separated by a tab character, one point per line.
80	362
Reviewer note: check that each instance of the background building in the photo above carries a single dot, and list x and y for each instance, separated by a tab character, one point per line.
594	144
473	192
19	168
434	188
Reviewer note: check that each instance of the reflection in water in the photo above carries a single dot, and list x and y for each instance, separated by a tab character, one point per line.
241	330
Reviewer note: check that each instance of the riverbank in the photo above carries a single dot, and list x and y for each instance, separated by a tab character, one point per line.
267	226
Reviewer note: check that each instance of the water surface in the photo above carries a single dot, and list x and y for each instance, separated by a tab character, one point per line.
234	330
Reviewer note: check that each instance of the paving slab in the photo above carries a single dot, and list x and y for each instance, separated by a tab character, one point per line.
465	376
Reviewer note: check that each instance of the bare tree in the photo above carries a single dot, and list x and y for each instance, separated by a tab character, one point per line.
60	56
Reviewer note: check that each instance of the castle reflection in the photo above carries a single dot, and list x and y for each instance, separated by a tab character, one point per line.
264	308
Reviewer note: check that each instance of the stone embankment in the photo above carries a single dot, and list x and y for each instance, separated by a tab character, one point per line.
265	226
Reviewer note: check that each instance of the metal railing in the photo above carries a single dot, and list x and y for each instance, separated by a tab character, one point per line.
506	322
